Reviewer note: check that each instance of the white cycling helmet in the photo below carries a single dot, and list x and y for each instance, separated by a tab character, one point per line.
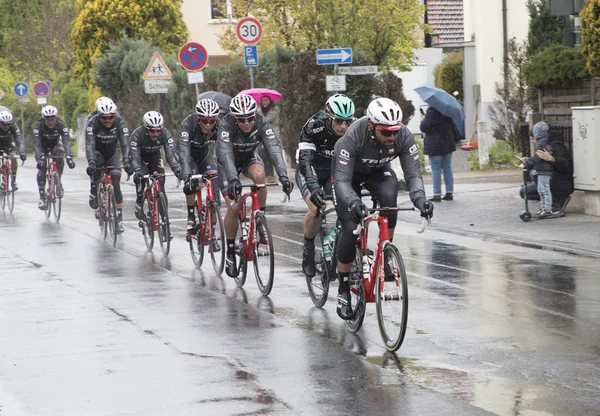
49	111
6	117
207	108
153	119
385	112
242	105
105	105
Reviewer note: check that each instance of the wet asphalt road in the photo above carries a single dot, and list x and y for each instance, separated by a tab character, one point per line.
87	329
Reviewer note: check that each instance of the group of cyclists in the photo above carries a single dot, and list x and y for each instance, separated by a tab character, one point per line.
337	156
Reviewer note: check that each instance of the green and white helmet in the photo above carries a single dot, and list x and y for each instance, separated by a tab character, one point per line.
340	106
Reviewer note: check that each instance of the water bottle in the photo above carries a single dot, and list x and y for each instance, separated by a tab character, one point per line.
328	244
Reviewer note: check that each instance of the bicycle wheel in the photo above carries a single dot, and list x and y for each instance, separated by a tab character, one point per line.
101	212
147	222
10	195
263	254
49	196
240	251
3	190
357	293
216	245
112	214
392	299
57	201
318	285
164	228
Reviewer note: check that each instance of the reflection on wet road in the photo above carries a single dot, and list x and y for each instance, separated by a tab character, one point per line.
492	328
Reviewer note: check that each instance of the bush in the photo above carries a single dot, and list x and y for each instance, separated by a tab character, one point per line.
502	156
557	66
449	74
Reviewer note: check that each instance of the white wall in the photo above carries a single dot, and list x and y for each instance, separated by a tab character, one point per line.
196	14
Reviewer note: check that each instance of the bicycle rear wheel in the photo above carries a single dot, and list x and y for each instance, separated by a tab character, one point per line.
147	222
57	201
318	285
113	219
164	228
216	245
357	293
10	196
240	251
392	299
263	254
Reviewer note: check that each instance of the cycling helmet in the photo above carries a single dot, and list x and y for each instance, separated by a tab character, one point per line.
385	112
339	106
49	111
6	117
207	108
153	119
242	105
105	105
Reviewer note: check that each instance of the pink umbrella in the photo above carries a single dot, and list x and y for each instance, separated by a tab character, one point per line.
258	93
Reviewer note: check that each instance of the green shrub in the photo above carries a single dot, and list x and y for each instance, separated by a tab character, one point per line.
449	74
557	66
501	157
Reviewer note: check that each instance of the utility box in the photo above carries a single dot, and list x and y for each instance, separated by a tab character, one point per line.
586	147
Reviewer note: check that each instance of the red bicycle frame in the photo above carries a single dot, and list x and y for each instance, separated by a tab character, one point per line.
152	190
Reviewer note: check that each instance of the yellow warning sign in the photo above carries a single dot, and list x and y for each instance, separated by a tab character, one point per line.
157	69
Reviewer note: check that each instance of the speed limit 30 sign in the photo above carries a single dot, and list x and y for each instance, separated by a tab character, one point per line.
249	30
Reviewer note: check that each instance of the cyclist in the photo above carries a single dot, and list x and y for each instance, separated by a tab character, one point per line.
239	134
99	102
362	159
11	141
197	132
104	131
51	135
146	143
313	160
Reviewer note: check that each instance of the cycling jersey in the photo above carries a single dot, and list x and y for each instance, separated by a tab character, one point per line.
12	139
46	138
143	148
315	149
193	142
358	155
103	140
234	147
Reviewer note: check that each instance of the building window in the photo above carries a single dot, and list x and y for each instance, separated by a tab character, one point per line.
220	9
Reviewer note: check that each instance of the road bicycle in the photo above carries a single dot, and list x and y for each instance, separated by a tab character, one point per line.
106	213
53	194
209	231
156	217
254	241
380	278
7	190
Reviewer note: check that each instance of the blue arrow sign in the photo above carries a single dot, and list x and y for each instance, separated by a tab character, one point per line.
250	55
21	89
334	56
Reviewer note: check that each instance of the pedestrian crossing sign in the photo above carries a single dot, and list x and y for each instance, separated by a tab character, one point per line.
157	69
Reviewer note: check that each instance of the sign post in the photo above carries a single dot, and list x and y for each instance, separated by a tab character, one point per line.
193	57
249	31
21	90
41	90
157	77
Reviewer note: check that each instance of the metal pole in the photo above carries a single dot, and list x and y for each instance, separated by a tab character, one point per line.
251	77
23	127
197	92
158	102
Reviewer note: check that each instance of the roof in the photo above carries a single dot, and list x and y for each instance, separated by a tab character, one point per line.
446	19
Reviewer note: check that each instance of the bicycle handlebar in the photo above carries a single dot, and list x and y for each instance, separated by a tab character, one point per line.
156	175
425	222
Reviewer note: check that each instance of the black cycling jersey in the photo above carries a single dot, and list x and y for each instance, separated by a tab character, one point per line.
234	147
46	138
194	144
12	139
104	140
143	148
315	149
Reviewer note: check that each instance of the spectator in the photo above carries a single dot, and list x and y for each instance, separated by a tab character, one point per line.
438	145
270	112
541	168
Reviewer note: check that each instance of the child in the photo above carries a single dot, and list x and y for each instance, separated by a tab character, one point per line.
542	168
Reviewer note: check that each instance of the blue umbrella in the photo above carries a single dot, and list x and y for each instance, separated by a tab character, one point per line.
444	103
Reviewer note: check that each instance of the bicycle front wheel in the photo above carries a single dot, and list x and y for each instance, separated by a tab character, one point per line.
263	254
357	293
147	222
216	245
3	190
49	196
318	285
101	211
240	251
164	228
10	195
392	299
57	200
112	219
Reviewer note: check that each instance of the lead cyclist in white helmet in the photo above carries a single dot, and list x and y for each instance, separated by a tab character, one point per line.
362	159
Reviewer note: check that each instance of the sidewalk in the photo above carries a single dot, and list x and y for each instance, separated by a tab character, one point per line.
487	204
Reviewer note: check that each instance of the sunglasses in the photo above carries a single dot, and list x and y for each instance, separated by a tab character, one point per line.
50	117
6	123
155	129
243	120
107	118
341	121
208	121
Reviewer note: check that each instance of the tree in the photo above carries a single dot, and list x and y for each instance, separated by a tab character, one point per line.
386	32
101	23
449	74
544	29
557	66
590	35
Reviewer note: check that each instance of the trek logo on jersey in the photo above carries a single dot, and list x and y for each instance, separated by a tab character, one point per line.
378	161
327	153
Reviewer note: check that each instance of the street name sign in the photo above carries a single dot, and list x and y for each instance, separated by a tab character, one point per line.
156	86
358	70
